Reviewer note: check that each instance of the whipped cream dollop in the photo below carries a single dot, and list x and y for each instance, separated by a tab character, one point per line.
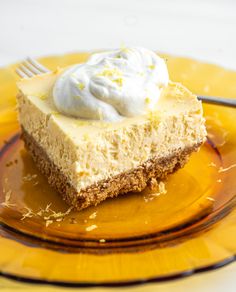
111	85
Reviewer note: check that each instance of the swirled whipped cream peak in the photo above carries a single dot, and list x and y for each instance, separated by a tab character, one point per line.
112	85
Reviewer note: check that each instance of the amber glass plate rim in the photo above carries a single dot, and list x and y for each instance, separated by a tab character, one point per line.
114	284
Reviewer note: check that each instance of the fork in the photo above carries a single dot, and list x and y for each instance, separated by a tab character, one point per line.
30	67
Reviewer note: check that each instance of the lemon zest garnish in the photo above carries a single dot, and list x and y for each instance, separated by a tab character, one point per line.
48	215
152	67
123	48
162	188
147	100
56	215
28	214
80	85
91	227
110	72
115	75
48	222
29	177
42	96
119	81
161	191
93	215
55	113
7	202
227	168
47	209
212	164
210	199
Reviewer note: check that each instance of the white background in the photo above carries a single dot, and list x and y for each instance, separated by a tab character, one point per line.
205	30
200	28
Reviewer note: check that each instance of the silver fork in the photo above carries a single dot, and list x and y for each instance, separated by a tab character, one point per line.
30	67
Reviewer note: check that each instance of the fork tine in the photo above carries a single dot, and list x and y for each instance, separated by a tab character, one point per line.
26	71
21	73
37	65
31	68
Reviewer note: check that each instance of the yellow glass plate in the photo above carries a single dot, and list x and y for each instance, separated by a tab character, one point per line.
135	238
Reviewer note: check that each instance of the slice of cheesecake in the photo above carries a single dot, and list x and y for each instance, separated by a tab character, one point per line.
89	161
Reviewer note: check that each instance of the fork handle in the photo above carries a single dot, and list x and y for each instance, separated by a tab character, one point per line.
218	100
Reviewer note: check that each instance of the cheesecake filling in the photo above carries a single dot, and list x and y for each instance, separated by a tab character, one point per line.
112	85
87	152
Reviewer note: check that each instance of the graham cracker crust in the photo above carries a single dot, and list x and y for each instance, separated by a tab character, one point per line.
134	180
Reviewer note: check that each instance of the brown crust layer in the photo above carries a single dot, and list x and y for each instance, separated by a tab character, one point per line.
134	180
